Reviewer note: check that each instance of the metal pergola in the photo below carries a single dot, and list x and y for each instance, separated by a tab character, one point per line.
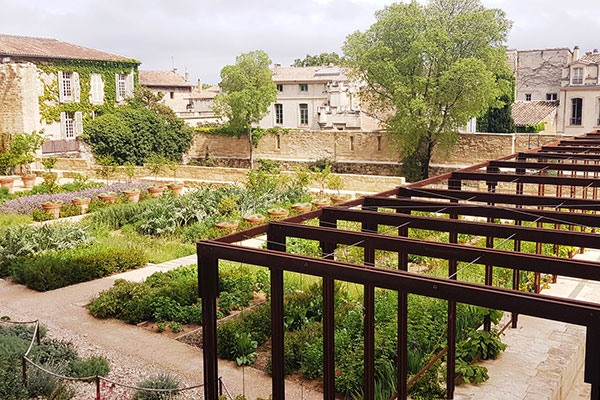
547	196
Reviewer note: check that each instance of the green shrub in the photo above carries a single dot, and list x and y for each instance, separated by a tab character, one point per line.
70	210
162	381
92	366
52	270
41	215
175	327
116	216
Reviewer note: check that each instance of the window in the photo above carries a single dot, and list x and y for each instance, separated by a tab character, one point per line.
278	142
280	88
96	89
598	122
576	110
121	86
378	143
304	87
71	124
303	114
551	96
172	94
527	96
67	87
351	143
577	76
279	113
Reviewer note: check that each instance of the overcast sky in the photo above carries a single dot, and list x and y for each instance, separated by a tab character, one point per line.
205	35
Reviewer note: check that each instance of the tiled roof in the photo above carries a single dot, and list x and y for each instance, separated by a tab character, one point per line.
308	74
532	112
25	46
162	78
209	93
592	58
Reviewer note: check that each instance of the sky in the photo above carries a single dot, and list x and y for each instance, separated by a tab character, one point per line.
205	35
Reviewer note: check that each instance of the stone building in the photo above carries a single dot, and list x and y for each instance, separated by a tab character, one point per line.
532	113
199	106
579	110
538	72
175	89
316	98
50	85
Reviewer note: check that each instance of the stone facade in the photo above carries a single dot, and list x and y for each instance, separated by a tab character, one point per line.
19	91
176	89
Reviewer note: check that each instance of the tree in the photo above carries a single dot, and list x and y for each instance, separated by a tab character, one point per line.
499	119
18	150
248	90
321	59
429	69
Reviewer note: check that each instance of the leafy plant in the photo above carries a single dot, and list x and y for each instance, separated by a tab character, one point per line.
471	373
96	365
245	352
107	167
161	381
321	176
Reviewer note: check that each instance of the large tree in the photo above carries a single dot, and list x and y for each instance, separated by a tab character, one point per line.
248	91
429	69
316	60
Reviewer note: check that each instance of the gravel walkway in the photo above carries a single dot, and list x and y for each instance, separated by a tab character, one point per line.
134	353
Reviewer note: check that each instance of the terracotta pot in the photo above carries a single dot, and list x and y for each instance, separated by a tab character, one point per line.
338	200
302	207
82	203
52	209
7	182
28	181
255	219
227	225
176	188
321	202
278	213
132	195
156	191
108	198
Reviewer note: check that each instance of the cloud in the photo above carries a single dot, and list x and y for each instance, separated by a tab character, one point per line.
206	35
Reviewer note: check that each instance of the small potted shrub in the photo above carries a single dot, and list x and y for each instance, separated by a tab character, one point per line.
255	218
82	202
174	186
322	202
7	182
278	212
108	198
28	181
302	207
133	194
335	182
156	191
229	225
52	208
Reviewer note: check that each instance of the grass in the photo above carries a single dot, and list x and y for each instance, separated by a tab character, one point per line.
8	220
158	250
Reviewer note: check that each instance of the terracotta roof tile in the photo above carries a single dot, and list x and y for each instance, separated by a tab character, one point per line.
308	74
593	58
208	93
532	112
163	78
25	46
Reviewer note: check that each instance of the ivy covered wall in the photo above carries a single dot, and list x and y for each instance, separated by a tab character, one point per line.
50	107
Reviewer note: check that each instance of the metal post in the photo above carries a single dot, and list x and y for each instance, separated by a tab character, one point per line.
369	320
489	242
277	242
208	282
402	350
517	247
328	320
453	184
98	394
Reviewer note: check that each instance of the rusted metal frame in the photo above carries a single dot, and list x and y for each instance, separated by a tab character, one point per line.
538	244
277	242
455	226
369	320
569	149
208	282
500	198
476	210
453	184
489	243
581	142
548	166
328	249
535	179
516	278
537	305
558	156
402	350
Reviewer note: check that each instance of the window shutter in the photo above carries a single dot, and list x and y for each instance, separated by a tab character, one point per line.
129	85
78	123
76	88
61	98
119	98
63	130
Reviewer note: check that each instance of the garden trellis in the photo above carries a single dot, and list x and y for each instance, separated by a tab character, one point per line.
548	196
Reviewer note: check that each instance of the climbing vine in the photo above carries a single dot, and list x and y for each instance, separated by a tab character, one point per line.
50	107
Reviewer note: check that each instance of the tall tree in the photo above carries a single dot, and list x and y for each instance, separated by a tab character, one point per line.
499	119
430	69
248	90
316	60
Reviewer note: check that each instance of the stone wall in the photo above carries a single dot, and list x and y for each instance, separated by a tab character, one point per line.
18	98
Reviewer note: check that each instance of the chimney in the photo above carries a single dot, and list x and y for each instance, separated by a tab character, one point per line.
588	53
576	53
276	67
199	84
595	51
187	75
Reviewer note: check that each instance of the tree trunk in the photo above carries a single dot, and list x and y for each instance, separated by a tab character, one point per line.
426	159
251	148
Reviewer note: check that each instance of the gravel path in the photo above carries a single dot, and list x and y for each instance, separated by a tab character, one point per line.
134	353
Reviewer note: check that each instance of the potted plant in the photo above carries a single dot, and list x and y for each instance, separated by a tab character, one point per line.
255	218
128	169
229	225
17	150
174	186
321	176
28	181
321	202
278	212
155	165
82	202
52	208
302	207
133	194
7	182
156	191
106	167
108	198
335	182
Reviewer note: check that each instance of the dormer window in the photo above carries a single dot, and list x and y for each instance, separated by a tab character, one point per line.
577	76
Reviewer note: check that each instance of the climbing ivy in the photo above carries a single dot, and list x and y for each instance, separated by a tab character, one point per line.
50	107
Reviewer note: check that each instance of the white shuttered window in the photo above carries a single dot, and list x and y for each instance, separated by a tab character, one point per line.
96	89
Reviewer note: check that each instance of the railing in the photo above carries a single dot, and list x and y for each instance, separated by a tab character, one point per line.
99	381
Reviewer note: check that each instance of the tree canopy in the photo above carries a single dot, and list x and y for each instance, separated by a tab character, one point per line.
248	91
430	68
316	60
